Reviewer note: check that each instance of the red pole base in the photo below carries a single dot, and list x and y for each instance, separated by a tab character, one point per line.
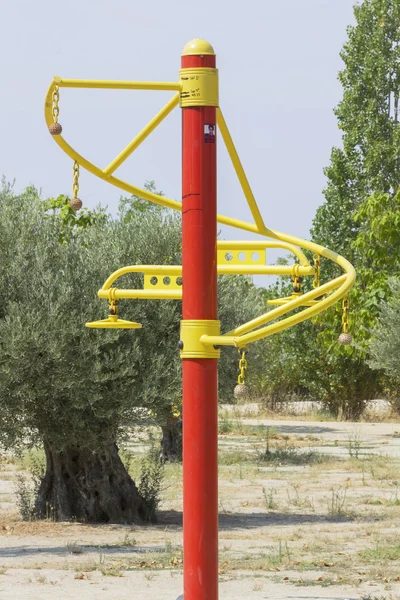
200	479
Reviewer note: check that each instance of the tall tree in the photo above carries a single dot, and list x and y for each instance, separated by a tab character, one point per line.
368	116
356	218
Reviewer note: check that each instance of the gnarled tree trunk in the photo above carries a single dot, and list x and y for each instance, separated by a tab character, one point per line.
89	487
171	441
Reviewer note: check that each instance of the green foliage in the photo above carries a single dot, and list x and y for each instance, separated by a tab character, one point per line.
26	491
359	218
73	222
128	207
385	344
59	380
71	385
151	479
289	357
367	115
377	248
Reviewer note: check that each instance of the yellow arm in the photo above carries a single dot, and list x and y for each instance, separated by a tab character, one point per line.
335	289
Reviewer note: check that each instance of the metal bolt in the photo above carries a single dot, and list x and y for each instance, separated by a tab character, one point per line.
180	346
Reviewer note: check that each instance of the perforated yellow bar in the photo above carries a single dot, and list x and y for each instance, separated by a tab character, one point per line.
242	256
162	281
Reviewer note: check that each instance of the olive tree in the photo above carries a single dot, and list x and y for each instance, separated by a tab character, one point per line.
76	390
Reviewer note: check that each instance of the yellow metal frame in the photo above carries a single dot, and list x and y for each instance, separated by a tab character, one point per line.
316	301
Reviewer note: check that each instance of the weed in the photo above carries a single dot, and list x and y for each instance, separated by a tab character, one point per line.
128	541
296	500
25	498
150	482
363	475
27	493
394	500
337	502
269	498
225	426
74	548
354	445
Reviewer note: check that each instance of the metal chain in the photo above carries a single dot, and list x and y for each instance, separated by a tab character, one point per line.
317	271
56	98
345	315
242	366
75	183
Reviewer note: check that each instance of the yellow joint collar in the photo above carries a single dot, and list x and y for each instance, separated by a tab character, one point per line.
191	332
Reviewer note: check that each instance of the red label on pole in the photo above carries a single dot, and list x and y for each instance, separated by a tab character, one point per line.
209	133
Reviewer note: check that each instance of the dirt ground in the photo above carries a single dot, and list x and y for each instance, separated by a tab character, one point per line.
308	510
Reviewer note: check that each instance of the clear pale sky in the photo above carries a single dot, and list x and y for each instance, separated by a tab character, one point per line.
278	65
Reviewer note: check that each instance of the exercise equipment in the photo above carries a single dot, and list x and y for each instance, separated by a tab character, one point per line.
195	282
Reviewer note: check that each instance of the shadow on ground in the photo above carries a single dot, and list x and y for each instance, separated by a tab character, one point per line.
309	429
229	521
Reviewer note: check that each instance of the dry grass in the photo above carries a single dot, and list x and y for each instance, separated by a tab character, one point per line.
306	513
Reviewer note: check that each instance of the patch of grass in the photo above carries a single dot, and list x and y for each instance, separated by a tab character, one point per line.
233	457
383	468
318	581
275	557
111	571
169	558
394	500
290	455
235	426
381	553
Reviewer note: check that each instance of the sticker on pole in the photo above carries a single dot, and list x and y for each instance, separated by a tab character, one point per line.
209	133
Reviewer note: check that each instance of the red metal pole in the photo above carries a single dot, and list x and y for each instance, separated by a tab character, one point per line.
200	400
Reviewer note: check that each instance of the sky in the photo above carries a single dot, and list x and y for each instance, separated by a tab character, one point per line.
278	64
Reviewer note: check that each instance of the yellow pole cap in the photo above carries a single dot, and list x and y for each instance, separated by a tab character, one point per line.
198	47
